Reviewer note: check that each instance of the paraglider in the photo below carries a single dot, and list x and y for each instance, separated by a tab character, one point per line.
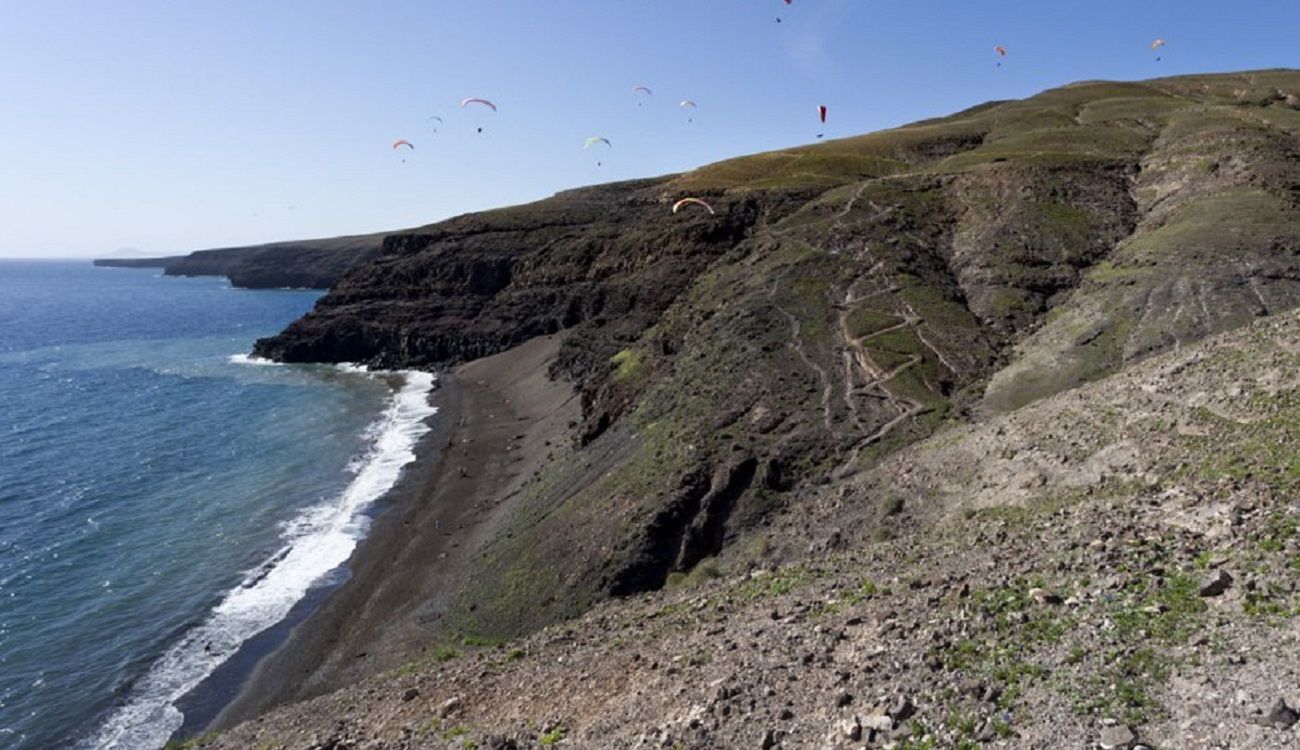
594	141
642	90
399	143
437	119
821	116
1155	47
1001	51
688	104
693	201
475	100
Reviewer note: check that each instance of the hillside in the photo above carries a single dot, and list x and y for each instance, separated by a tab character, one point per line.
749	387
304	264
1046	578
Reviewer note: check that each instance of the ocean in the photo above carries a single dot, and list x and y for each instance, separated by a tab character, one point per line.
163	498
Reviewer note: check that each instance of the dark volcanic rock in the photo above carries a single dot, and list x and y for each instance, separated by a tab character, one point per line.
602	259
305	264
1281	716
1216	583
137	262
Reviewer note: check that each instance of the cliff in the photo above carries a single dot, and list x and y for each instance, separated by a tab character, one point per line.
137	262
845	300
306	264
754	385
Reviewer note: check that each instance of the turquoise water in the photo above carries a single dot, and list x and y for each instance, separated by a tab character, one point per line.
161	498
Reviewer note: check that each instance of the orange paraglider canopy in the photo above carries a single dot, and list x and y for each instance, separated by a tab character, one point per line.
692	201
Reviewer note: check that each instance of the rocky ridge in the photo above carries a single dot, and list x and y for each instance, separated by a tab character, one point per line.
305	264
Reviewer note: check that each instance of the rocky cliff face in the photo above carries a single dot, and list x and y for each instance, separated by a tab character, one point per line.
599	258
305	264
136	262
848	299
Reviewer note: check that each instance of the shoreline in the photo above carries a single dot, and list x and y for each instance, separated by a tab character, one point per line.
199	671
202	705
498	418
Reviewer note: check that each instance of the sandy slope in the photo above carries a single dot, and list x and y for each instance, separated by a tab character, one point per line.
498	418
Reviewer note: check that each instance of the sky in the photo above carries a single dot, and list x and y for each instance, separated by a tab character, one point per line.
177	126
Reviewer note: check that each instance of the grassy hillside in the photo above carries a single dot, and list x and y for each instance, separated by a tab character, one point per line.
977	262
1108	566
849	299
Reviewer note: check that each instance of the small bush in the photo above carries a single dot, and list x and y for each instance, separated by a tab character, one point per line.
627	363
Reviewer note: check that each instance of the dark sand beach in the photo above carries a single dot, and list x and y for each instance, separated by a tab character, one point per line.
498	417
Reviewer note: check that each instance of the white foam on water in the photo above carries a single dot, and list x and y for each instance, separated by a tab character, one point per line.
249	359
318	541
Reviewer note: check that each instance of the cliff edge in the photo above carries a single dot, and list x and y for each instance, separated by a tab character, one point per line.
301	264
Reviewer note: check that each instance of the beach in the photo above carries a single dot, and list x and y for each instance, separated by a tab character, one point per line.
498	418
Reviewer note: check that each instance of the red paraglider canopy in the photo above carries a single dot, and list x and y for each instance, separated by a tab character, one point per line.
821	112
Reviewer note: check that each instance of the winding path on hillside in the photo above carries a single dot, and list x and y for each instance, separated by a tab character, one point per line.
863	376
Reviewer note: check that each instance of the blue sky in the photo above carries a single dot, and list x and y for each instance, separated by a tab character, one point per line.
175	126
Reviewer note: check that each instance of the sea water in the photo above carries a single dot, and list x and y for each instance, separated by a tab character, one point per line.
163	498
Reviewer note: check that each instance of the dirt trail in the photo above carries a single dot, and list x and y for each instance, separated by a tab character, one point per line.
828	387
874	379
863	377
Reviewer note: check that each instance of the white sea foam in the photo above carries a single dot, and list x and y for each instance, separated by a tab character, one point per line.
249	359
316	542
